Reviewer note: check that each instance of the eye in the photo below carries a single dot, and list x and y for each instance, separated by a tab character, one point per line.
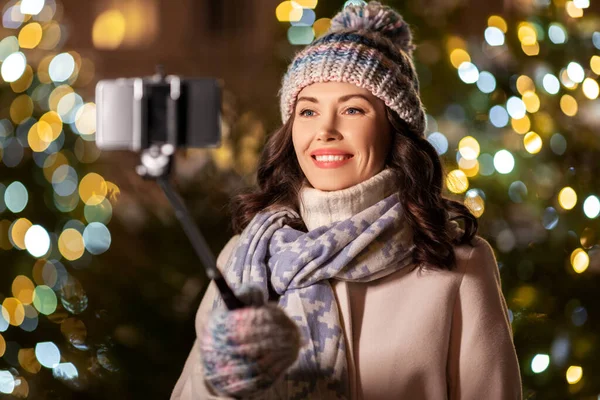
306	113
354	111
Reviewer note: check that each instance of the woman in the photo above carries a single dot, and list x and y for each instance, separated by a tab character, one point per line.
364	286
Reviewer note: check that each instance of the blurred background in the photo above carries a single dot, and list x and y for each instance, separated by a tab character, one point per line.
98	283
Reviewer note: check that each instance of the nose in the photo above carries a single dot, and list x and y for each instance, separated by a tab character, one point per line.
328	131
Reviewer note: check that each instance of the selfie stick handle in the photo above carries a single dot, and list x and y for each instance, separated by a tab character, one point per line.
199	244
157	163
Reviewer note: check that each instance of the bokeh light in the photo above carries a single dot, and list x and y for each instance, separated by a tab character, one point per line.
13	67
40	136
531	101
321	26
581	3
439	141
17	231
16	197
85	119
568	105
65	371
590	88
532	142
65	180
14	311
458	57
539	363
308	18
468	72
574	374
28	360
486	82
567	198
12	17
469	148
557	33
550	218
7	382
486	164
52	34
575	72
494	36
517	191
92	189
504	162
37	241
566	80
475	202
525	84
516	108
573	10
24	82
527	34
21	109
558	144
44	299
108	30
47	354
499	116
521	125
591	206
595	64
498	22
71	244
8	46
61	67
551	84
288	11
300	35
96	237
457	181
32	7
22	289
580	260
30	35
469	167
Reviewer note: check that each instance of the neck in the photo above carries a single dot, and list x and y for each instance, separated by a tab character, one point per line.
319	208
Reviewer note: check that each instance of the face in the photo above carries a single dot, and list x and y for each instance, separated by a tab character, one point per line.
341	135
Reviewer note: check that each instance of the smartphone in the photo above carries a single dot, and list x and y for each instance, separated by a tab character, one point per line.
135	113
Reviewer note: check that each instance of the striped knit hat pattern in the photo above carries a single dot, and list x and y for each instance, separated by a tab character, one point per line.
368	45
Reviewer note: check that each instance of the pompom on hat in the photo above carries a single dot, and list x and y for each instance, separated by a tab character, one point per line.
368	45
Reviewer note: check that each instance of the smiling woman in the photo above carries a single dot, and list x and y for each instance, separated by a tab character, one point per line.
341	135
348	233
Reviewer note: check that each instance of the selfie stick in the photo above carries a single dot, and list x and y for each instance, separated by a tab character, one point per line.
156	163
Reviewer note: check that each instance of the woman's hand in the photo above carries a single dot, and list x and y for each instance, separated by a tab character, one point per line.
245	350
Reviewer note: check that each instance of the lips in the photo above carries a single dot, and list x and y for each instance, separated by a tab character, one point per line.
330	158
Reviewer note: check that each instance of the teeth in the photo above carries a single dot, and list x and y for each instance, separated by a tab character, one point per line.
331	158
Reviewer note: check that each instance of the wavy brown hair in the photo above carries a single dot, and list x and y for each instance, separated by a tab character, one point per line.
420	174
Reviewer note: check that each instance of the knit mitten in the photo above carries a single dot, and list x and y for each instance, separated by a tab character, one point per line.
244	351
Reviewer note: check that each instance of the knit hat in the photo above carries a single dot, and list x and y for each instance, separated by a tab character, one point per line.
368	45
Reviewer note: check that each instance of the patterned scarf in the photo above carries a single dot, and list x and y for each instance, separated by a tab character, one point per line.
369	245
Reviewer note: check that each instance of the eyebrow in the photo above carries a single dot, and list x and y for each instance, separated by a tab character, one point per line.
340	100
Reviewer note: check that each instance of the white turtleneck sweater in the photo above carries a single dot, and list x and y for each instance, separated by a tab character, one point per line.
431	334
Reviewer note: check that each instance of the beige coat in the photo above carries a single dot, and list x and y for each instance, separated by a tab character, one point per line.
429	335
434	334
